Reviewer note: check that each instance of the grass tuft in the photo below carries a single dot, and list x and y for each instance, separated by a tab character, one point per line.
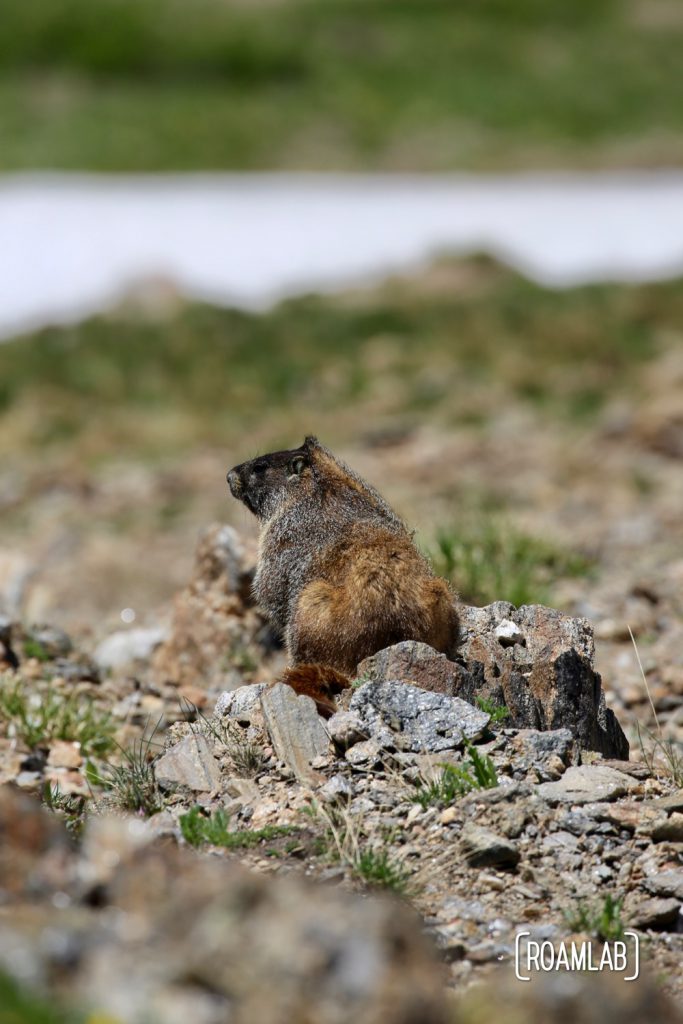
488	560
603	920
132	782
198	828
496	712
39	715
455	781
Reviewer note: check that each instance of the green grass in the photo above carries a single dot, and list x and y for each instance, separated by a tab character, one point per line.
131	781
603	919
196	829
34	649
379	870
20	1006
37	714
489	561
455	780
497	712
417	84
123	385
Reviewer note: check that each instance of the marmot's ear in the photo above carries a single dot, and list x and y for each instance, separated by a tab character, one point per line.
310	443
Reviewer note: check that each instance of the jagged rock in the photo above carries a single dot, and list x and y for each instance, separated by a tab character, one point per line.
545	678
128	646
296	730
587	784
213	620
534	660
190	763
483	848
345	729
414	719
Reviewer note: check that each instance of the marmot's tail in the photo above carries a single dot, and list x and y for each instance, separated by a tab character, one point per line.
321	682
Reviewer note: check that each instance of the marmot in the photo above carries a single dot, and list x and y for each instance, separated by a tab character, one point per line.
338	572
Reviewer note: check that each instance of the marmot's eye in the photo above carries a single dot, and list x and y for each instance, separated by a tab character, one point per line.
296	466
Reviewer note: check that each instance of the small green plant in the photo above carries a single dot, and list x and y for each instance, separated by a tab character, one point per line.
18	1005
489	560
34	649
44	715
379	869
132	782
455	781
602	920
497	712
69	807
198	828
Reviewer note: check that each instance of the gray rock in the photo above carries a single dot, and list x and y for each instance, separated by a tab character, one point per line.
242	704
189	763
672	802
666	883
338	789
669	829
655	913
545	678
366	754
345	729
587	784
128	646
483	848
420	721
538	746
296	730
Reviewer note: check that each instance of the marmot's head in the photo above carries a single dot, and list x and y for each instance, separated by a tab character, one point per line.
263	483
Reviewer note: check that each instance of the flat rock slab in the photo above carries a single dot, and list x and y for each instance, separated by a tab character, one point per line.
295	728
587	784
416	719
190	763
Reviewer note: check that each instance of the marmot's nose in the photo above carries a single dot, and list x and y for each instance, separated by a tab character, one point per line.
234	483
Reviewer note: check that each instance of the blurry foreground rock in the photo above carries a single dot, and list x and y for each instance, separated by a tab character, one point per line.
135	930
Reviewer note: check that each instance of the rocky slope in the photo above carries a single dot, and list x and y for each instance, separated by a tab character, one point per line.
489	796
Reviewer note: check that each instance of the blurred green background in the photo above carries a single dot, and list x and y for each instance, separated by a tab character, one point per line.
466	392
339	84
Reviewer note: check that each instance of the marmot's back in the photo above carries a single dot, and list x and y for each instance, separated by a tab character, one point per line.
338	571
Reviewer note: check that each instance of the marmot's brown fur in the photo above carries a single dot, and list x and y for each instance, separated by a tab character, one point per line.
338	572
